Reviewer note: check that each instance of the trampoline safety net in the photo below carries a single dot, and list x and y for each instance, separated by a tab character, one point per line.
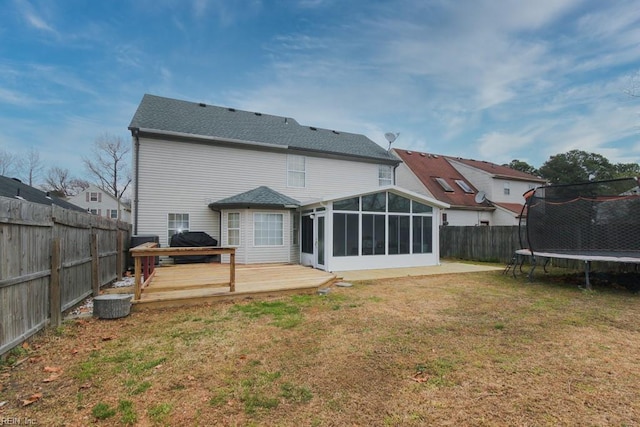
598	217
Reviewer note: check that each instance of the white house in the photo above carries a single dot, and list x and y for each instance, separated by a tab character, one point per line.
276	190
98	202
478	192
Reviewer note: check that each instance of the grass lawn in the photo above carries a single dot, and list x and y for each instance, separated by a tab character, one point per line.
466	349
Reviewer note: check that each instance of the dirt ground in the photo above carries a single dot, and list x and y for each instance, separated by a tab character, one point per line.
477	349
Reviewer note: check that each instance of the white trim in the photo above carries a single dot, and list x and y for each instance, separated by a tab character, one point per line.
393	188
282	233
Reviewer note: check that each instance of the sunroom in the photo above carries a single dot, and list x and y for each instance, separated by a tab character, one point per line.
388	227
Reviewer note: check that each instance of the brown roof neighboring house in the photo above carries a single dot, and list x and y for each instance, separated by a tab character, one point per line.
442	180
512	207
498	171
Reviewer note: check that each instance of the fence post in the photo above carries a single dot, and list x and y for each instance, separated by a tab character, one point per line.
119	255
55	306
95	270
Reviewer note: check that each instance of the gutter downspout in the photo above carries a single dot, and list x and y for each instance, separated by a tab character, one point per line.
136	173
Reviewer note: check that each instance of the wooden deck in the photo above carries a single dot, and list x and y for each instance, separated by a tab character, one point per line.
191	284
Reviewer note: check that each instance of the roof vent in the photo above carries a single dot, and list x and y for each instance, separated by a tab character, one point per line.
409	153
424	155
286	122
258	114
48	195
435	156
336	132
231	109
312	128
202	104
18	194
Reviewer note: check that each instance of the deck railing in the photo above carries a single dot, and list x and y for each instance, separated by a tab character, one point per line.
144	262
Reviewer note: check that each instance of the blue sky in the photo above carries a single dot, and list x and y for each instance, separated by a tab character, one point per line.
484	79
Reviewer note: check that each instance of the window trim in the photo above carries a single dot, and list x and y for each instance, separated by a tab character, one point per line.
238	228
291	170
464	186
444	184
384	170
178	230
281	215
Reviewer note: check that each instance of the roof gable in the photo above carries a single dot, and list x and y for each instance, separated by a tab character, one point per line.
428	167
258	197
498	171
168	116
385	188
15	189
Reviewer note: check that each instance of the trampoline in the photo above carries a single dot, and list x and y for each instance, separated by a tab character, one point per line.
592	221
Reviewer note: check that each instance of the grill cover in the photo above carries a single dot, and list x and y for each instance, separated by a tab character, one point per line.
193	239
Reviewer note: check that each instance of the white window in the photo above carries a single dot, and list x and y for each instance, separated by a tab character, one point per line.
94	211
385	175
444	184
267	229
296	171
93	197
465	187
112	213
233	228
507	189
295	228
177	223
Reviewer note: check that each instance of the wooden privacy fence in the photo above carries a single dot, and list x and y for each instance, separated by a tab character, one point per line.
51	259
479	243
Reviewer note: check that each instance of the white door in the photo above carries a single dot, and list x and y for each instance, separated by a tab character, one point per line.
319	241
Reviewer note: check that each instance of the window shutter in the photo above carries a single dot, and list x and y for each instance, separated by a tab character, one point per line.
99	212
87	194
99	197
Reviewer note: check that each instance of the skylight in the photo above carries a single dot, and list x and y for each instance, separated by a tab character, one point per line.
444	184
465	187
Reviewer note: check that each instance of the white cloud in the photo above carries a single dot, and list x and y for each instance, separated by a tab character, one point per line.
34	19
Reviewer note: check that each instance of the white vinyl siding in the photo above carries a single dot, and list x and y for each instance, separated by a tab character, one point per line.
224	171
296	171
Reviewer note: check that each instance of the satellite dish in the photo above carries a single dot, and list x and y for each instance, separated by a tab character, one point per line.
481	197
390	136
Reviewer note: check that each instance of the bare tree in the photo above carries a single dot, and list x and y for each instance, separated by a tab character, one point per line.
109	166
60	182
8	163
633	88
31	166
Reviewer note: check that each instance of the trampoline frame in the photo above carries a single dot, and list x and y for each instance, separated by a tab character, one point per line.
520	255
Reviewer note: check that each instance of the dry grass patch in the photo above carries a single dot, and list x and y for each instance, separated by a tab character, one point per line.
470	349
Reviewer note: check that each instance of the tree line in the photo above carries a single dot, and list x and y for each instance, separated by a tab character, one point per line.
577	166
107	167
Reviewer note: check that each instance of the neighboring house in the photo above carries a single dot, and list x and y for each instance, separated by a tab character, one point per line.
503	186
98	202
433	175
278	191
479	193
14	188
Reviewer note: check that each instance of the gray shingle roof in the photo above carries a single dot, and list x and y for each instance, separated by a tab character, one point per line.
159	114
11	188
261	196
